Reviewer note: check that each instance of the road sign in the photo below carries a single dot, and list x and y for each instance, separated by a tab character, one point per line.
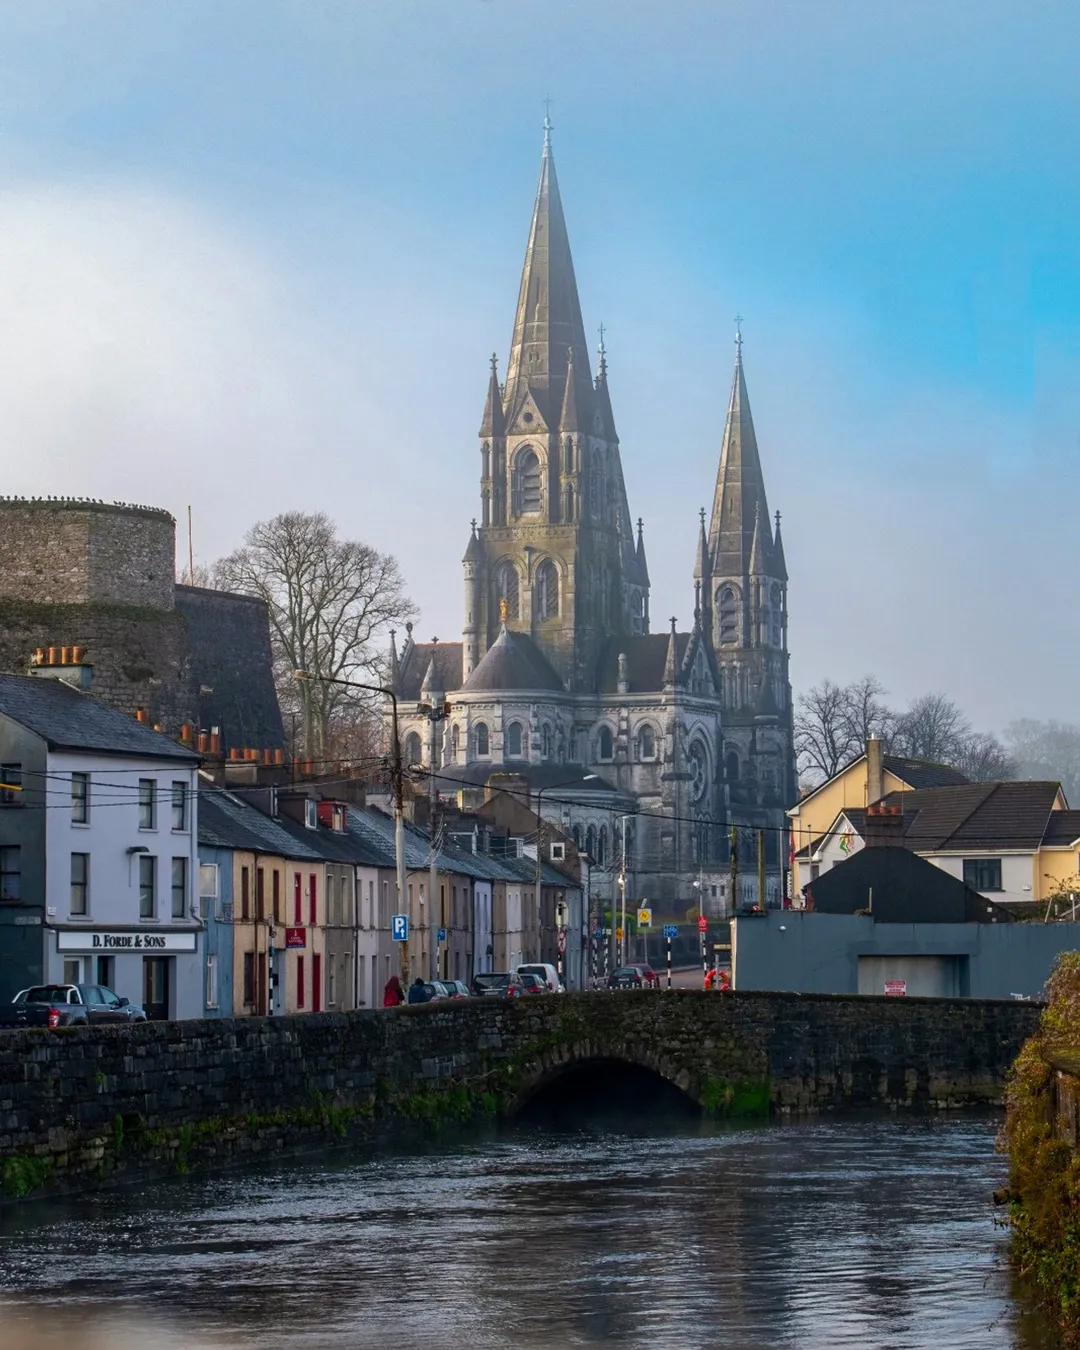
896	988
618	934
562	941
703	924
399	927
442	934
644	916
671	930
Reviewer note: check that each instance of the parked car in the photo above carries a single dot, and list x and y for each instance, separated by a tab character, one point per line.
652	980
626	977
533	984
497	984
97	1002
440	989
547	973
456	988
44	1005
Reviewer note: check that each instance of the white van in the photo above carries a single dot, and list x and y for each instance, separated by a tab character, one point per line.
547	973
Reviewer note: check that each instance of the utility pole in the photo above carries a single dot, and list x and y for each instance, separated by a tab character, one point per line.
761	869
437	710
734	866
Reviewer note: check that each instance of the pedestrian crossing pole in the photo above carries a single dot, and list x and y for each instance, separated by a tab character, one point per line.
668	936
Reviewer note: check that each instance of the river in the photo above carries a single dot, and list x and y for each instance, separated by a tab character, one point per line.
669	1234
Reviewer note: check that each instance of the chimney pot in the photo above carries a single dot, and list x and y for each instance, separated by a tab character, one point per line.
54	656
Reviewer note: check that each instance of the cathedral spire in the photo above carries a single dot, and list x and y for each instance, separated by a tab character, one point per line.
701	562
671	664
758	564
573	417
779	562
494	423
643	566
740	487
548	320
603	396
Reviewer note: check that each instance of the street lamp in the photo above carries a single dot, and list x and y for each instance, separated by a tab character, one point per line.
561	940
399	792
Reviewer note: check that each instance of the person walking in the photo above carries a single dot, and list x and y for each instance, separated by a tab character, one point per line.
419	992
393	994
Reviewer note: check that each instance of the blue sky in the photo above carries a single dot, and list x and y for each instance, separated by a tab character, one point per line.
254	255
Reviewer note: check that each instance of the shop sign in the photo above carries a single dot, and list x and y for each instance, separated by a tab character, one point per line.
83	940
295	937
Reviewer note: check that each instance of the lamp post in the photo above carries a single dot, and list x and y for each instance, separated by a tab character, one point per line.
434	705
586	778
397	777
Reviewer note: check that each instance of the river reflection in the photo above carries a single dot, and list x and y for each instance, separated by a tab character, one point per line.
869	1233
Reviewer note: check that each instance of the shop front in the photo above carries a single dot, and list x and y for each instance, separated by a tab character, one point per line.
161	970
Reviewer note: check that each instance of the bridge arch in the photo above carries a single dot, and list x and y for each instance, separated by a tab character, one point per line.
557	1068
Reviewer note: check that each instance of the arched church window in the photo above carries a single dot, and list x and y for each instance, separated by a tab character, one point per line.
455	741
545	737
605	744
514	740
775	615
573	750
646	743
628	846
590	842
732	765
507	588
596	486
482	743
577	837
568	513
529	486
547	590
727	606
412	748
601	846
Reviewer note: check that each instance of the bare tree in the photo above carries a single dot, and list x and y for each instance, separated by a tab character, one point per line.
1048	750
330	600
983	758
867	713
933	728
823	731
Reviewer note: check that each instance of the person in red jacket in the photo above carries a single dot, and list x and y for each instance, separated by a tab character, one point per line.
393	994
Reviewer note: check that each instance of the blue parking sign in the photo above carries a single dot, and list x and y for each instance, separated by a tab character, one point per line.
671	930
399	927
442	934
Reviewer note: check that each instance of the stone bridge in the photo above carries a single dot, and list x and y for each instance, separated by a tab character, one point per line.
79	1106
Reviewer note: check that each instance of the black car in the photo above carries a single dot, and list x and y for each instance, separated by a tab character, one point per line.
497	984
626	977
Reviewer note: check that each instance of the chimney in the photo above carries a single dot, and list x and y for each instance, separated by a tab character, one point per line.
884	827
66	664
875	771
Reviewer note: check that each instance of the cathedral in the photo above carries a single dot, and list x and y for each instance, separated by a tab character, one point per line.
648	746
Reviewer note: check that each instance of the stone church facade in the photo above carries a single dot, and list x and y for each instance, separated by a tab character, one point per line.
648	746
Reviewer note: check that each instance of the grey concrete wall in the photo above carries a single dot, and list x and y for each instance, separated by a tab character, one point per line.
819	953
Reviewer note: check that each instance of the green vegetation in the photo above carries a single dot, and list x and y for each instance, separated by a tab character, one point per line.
1044	1170
735	1100
19	1175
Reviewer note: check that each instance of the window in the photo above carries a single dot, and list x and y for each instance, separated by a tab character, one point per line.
412	748
573	748
529	485
179	887
983	874
147	885
147	803
545	737
547	590
211	980
179	806
260	894
298	898
727	607
299	981
105	971
513	739
245	893
455	741
601	846
11	872
10	784
276	877
80	880
481	734
590	842
80	798
311	899
249	977
775	616
331	984
208	889
604	743
506	590
647	743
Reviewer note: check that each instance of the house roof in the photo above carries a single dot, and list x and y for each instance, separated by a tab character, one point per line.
572	778
1011	815
1062	829
897	886
646	656
227	821
513	662
68	719
417	659
916	773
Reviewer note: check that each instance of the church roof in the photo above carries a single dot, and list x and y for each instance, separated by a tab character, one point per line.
415	662
548	321
513	662
645	659
740	487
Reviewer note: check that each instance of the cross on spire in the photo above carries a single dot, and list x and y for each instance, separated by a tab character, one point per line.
738	332
547	123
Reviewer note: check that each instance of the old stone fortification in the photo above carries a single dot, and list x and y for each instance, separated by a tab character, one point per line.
77	1106
101	576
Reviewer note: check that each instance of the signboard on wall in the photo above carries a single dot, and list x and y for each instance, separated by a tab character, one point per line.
88	940
295	937
896	988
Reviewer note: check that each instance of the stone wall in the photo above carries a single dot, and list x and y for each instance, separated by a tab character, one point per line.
80	1105
67	551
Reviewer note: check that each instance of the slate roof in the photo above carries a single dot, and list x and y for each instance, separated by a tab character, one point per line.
67	719
898	886
645	659
923	773
1011	815
513	662
1062	829
227	821
572	777
449	663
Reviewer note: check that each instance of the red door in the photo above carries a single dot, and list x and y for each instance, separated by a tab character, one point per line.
316	982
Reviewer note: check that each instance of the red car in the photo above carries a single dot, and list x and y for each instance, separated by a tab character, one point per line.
650	977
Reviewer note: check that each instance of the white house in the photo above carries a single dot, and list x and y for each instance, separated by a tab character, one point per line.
98	854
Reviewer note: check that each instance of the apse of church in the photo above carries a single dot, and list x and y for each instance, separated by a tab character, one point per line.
665	737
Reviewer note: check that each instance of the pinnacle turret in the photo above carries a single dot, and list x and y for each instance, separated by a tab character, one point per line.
671	663
779	562
574	415
605	417
759	566
494	421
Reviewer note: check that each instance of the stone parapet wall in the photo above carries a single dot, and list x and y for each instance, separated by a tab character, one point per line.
80	1105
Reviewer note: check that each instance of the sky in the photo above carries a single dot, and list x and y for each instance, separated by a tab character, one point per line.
255	254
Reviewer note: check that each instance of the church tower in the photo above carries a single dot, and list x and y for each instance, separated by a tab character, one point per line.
554	555
742	576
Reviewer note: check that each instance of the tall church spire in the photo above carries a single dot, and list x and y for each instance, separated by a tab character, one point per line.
740	487
493	423
548	320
